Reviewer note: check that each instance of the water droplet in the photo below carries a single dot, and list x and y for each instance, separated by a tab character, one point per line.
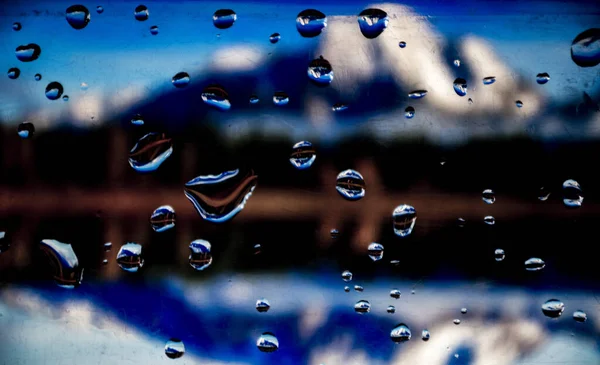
254	99
391	309
174	348
402	44
463	310
257	249
375	251
310	23
150	152
400	333
585	49
154	30
409	112
78	16
395	262
417	94
412	291
28	52
362	306
470	101
13	73
137	120
4	243
105	262
16	26
572	194
274	38
579	316
404	218
84	86
334	233
99	9
489	80
37	77
320	72
347	289
456	356
347	275
395	293
65	97
218	198
129	257
64	262
303	155
456	321
499	254
489	220
358	288
457	62
534	264
519	103
544	194
181	80
267	342
338	107
141	13
461	222
542	78
372	22
553	308
460	86
488	196
280	98
224	18
262	305
200	256
163	218
425	335
54	90
107	246
350	184
217	97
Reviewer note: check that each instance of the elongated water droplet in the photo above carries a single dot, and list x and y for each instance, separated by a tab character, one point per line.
303	155
200	256
347	289
572	194
425	335
129	257
181	80
553	308
372	22
28	52
338	107
150	152
409	112
310	23
404	218
362	307
358	288
99	9
579	316
544	194
460	86
395	262
395	293
274	38
456	62
253	99
54	90
78	16
585	48
154	30
280	98
67	273
350	184
456	321
218	198
37	77
489	80
499	254
224	18
107	246
267	342
347	275
141	13
137	120
488	196
334	233
174	348
13	73
262	305
417	94
257	249
400	333
16	26
320	72
402	44
217	97
542	78
519	103
375	251
489	220
534	264
163	218
463	310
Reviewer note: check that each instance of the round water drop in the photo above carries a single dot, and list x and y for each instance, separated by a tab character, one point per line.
358	288
200	256
553	308
54	90
137	120
274	38
99	9
519	103
280	98
107	246
78	16
409	112
417	94
129	257
456	321
534	264
499	254
395	293
391	309
217	97
28	52
488	196
372	22
572	194
412	291
224	18
585	48
37	77
141	13
105	262
320	72
267	342
163	218
362	307
489	80
489	220
463	310
174	348
400	333
303	155
16	26
310	23
262	305
334	233
347	275
579	316
375	251
425	335
542	78
404	218
460	86
402	44
181	80
150	152
154	30
347	289
13	73
253	99
65	97
350	184
338	107
544	194
66	271
457	62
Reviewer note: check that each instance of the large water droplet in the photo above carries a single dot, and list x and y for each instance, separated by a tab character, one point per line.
216	96
400	333
28	52
572	194
553	308
372	22
64	262
137	120
404	218
310	23
350	184
489	80
358	288
99	9
425	335
409	112
129	257
544	194
542	78
224	18
13	73
78	16
262	305
579	316
489	220
320	72
499	254
488	196
303	155
534	264
460	86
402	44
54	90
362	307
338	107
519	103
267	342
16	26
174	348
200	256
218	198
150	152
141	13
347	275
395	293
274	38
456	321
163	218
417	94
375	251
181	80
585	49
154	30
280	98
37	77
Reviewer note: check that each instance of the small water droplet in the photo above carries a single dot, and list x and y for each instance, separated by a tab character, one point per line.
99	9
334	233
218	198
107	246
362	307
217	97
456	356
470	101
65	97
499	254
395	262
303	155
254	99
84	86
488	196
391	309
267	342
412	291
457	62
320	72
519	103
67	273
553	308
257	249
78	16
200	256
409	112
544	194
395	293
338	107
274	38
542	78
137	120
489	80
28	52
4	243
174	348
262	305
585	48
400	333
16	26
13	73
105	262
375	251
402	44
461	222
460	86
358	288
150	152
280	98
417	94
456	321
534	264
347	289
163	218
54	90
489	220
404	218
181	80
372	22
579	316
572	194
129	257
350	184
310	23
425	335
224	18
154	30
463	310
141	13
347	275
37	77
